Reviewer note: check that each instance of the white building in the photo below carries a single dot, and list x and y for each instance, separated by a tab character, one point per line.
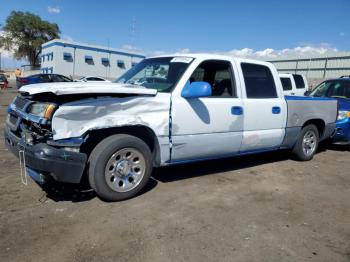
315	67
76	60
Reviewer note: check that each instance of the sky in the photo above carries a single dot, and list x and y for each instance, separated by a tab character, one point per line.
251	28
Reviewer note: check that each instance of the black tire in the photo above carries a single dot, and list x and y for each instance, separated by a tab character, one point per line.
102	154
298	152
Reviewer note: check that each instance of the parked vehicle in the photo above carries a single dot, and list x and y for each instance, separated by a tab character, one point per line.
3	81
92	79
41	78
207	106
294	84
339	89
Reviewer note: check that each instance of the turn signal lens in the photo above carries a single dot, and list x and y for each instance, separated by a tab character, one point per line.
49	111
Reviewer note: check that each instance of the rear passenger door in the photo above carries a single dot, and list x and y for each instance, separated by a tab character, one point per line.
263	106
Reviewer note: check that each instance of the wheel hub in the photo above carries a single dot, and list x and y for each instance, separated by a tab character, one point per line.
123	167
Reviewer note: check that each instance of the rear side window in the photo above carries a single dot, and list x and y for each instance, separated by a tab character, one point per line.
286	83
259	81
45	78
299	81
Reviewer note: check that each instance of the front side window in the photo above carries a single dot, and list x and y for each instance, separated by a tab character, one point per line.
259	82
336	89
156	73
286	83
218	74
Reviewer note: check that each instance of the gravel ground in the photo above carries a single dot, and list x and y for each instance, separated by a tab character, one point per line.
262	207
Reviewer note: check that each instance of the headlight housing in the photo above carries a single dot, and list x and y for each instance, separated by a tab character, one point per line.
44	110
343	114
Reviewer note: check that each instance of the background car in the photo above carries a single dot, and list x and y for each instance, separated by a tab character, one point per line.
92	79
294	84
3	81
41	78
339	89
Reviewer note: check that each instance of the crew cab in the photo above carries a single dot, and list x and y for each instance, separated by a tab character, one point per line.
294	84
166	110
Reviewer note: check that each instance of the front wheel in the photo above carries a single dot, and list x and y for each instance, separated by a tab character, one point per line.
307	143
119	167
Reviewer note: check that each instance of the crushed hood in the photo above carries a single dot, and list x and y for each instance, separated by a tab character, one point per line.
86	88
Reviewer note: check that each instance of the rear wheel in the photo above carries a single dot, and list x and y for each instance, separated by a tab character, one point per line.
307	143
119	167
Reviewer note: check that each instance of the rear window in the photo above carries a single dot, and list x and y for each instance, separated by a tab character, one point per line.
94	79
259	81
286	83
299	81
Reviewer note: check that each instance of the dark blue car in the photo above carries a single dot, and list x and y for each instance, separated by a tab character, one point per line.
340	89
41	78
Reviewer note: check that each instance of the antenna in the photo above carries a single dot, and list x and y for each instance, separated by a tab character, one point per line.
132	31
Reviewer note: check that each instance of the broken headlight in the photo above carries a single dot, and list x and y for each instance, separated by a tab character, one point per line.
44	110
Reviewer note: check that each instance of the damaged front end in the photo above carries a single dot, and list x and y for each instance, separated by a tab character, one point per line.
28	132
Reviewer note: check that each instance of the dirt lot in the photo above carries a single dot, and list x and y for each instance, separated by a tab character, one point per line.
256	208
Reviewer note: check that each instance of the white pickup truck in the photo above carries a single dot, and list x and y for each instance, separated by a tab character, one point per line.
165	110
294	84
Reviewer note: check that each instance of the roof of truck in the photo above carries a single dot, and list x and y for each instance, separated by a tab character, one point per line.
212	56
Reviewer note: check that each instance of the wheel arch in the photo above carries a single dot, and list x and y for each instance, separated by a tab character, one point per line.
145	133
319	123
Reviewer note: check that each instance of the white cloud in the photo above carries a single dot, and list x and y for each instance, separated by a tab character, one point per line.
128	47
5	53
183	51
54	9
67	38
307	50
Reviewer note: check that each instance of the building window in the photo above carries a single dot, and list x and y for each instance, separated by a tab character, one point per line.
121	64
51	56
43	57
67	56
105	61
89	60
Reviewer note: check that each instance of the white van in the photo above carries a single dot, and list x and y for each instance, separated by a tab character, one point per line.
294	84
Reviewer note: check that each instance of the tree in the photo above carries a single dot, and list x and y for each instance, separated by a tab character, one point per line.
24	33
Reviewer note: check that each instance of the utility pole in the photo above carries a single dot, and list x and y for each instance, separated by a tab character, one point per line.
0	61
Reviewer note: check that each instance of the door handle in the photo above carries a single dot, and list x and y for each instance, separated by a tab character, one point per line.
292	94
276	110
237	110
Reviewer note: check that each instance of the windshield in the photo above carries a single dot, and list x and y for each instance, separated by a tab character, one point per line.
336	89
157	73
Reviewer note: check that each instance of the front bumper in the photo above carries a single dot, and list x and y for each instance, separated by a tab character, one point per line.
342	135
48	161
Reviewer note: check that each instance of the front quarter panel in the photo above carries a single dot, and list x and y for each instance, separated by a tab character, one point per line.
76	118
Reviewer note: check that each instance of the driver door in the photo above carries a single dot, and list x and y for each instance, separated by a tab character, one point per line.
208	127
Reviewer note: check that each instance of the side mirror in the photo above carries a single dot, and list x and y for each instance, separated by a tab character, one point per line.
307	93
196	90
